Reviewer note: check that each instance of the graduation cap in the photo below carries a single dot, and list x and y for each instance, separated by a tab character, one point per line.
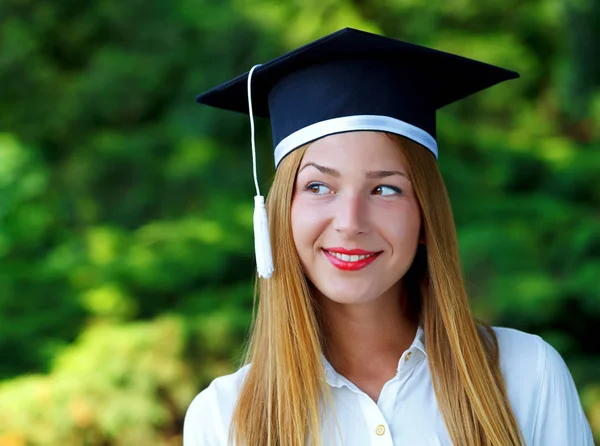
350	80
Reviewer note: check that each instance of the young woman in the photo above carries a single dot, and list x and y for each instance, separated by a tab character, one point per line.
363	334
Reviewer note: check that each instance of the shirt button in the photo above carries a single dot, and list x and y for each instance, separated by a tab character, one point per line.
407	356
380	430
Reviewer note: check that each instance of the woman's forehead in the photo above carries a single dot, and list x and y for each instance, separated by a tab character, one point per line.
366	149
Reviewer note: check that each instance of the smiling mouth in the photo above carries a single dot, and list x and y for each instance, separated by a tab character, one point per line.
350	260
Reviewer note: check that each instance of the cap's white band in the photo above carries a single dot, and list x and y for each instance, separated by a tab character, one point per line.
353	123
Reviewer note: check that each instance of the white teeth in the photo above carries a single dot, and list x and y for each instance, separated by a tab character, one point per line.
348	258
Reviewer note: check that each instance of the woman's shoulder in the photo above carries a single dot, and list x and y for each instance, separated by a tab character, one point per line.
527	360
208	416
519	347
528	354
541	389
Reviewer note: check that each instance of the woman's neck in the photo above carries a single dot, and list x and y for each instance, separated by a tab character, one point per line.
364	341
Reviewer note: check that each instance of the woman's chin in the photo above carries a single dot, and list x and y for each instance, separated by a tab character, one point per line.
346	294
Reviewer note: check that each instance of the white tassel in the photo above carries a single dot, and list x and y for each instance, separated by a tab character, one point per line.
262	239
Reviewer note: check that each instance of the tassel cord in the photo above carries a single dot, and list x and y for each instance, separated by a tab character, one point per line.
262	239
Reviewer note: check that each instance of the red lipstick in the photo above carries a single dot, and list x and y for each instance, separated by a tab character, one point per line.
351	252
346	265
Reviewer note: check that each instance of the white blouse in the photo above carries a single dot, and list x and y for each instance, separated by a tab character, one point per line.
539	386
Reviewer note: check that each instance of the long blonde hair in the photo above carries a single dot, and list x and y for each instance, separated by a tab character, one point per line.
285	388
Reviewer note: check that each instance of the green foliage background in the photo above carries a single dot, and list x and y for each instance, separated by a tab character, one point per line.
126	249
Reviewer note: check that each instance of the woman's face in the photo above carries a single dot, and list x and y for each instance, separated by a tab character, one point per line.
355	217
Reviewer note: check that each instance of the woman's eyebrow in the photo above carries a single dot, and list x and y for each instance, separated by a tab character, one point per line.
376	174
372	174
323	169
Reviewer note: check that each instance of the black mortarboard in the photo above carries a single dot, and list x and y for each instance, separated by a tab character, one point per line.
348	81
355	80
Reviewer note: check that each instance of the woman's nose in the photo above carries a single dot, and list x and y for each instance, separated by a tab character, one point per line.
351	214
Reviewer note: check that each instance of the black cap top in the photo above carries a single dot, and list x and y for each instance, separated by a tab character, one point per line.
353	80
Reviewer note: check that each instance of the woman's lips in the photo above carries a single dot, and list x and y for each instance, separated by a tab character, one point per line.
350	259
355	251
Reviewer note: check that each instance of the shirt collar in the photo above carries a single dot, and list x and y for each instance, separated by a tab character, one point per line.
417	348
419	341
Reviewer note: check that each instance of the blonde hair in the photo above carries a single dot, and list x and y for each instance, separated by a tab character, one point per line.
285	388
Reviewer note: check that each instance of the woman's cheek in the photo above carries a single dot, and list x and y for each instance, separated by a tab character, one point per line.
301	222
308	222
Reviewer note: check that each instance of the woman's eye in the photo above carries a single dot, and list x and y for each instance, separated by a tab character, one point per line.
317	188
386	190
